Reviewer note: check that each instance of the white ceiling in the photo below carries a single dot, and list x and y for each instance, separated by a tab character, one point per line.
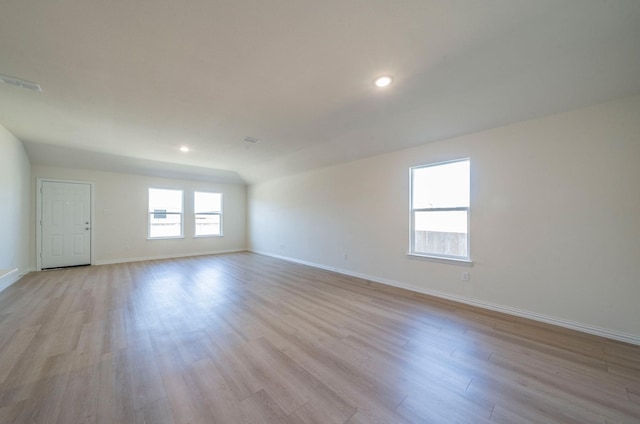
125	83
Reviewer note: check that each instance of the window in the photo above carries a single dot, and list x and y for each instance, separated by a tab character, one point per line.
440	210
208	213
165	213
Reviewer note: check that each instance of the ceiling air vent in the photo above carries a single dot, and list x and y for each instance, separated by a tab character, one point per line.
251	140
16	82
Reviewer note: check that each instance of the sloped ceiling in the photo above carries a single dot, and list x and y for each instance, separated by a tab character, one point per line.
125	83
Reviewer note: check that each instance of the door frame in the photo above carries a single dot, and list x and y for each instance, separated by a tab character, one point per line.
39	182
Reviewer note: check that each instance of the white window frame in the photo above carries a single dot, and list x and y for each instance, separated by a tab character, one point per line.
195	214
181	213
435	256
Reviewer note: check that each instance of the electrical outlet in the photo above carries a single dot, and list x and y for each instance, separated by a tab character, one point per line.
346	256
464	276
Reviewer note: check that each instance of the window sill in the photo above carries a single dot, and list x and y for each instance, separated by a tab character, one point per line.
440	259
209	236
165	238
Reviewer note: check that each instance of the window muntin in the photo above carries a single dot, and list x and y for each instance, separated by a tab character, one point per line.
165	213
440	196
207	209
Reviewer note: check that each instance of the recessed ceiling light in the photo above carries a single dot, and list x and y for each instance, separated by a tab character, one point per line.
383	81
184	149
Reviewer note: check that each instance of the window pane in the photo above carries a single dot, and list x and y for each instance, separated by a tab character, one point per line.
208	210
165	200
207	225
165	225
441	186
441	233
165	213
207	202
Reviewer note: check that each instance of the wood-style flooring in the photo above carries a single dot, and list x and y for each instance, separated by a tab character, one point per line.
244	338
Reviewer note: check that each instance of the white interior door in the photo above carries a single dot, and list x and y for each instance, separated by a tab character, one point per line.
65	224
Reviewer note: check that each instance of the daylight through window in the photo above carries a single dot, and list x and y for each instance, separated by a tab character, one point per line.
440	210
165	213
208	213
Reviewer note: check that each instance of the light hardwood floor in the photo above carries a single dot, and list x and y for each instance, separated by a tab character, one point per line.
243	338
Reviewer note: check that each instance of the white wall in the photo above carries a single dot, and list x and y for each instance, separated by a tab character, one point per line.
121	205
14	208
555	219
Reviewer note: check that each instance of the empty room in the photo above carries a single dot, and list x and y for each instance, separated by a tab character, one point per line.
331	212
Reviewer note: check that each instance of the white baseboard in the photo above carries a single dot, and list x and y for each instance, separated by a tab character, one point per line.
585	328
172	256
10	277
